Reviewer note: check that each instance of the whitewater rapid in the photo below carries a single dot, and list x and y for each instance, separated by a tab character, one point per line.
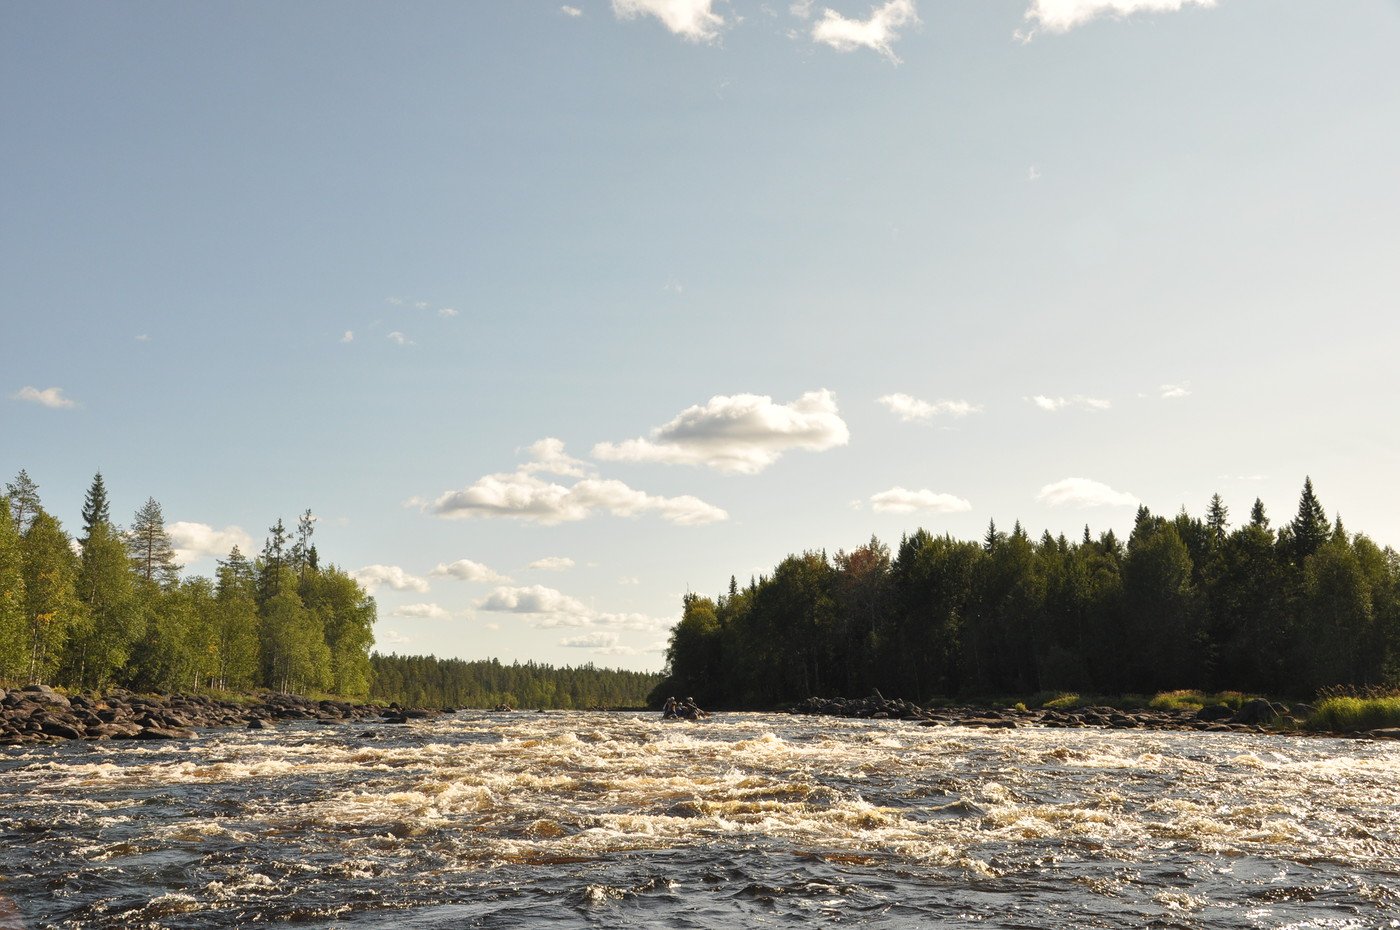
578	819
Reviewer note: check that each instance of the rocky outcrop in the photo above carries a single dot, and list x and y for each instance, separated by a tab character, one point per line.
1253	716
38	713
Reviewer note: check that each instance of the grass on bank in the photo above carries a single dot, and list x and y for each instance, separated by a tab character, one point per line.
1343	714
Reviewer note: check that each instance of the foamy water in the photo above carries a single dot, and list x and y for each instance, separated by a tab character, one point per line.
571	819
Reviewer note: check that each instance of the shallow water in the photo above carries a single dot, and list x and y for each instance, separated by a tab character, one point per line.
620	820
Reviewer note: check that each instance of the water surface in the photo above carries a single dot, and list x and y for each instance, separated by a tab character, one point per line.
622	820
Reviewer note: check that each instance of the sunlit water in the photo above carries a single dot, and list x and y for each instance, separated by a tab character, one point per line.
617	820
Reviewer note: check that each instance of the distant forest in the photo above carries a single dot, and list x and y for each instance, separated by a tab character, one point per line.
1186	602
110	608
427	681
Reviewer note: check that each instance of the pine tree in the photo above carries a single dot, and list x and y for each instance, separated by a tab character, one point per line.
274	557
302	549
24	499
152	554
992	537
1257	517
96	510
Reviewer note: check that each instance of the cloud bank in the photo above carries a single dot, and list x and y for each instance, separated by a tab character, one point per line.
876	33
1082	492
467	570
422	612
195	541
548	608
693	20
1064	15
902	500
911	409
371	577
739	434
553	563
525	496
1077	402
48	397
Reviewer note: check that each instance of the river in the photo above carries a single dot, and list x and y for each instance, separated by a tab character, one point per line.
623	820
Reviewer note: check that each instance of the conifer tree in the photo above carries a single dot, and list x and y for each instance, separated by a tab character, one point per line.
152	554
1257	517
1310	528
1217	520
96	509
24	499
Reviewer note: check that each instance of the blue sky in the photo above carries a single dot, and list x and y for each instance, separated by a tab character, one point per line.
553	313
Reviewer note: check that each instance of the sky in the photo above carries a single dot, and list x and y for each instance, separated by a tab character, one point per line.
553	313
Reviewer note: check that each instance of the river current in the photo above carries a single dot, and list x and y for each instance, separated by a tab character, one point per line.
623	820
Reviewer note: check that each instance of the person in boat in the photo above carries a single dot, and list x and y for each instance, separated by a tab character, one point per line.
690	710
670	710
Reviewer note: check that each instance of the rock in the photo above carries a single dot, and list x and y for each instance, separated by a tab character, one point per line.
1257	711
1214	713
62	729
164	733
1384	733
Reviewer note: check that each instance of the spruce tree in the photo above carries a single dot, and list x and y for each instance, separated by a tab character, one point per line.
1310	528
1257	517
96	509
1217	520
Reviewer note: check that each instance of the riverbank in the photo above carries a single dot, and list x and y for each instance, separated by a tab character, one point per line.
1252	715
38	713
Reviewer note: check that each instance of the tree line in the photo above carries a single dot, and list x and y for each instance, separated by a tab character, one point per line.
1186	602
110	608
427	681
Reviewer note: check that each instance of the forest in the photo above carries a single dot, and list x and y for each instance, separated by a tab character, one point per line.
427	681
110	608
1185	602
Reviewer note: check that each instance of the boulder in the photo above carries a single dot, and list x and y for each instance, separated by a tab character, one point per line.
1257	711
1214	713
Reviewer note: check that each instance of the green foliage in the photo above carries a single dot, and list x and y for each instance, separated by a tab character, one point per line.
1195	700
1187	603
427	681
120	614
1063	701
1348	714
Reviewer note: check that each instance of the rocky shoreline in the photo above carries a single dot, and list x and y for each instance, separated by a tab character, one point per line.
37	713
1256	716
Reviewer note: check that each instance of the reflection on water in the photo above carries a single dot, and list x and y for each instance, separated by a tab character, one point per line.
572	819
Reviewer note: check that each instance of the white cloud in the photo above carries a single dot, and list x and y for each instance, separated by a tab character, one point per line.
372	576
629	580
571	11
553	563
48	397
694	20
349	336
195	541
875	33
1078	402
548	455
399	339
802	9
1033	173
143	337
421	305
911	408
1082	492
901	500
422	612
1064	15
467	570
741	434
391	638
1172	391
599	640
447	312
522	495
546	606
